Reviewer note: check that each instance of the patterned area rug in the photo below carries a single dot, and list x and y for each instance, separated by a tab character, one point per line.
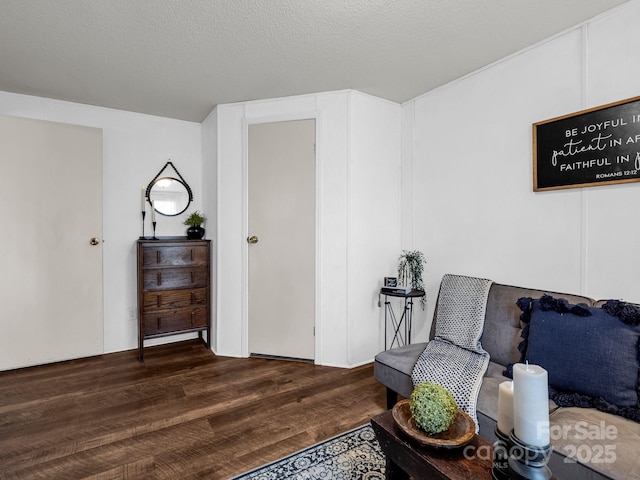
354	455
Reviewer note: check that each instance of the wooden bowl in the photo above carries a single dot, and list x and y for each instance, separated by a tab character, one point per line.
459	434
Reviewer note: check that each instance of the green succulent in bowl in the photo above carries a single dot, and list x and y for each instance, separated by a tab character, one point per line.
433	407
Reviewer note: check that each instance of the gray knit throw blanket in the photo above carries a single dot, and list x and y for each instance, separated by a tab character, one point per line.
454	359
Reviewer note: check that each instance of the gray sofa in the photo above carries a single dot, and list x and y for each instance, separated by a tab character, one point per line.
615	456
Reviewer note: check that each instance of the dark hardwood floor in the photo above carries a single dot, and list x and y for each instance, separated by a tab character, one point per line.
183	414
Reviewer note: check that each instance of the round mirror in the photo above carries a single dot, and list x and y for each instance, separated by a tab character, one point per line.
170	196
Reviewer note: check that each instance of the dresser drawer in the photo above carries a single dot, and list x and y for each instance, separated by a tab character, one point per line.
175	256
171	299
169	278
174	321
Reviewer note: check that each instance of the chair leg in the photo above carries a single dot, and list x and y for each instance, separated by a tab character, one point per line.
392	398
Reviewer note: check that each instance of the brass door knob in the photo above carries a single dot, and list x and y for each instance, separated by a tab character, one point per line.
252	239
94	241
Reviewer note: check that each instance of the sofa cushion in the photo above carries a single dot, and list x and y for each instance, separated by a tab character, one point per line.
393	367
606	443
585	350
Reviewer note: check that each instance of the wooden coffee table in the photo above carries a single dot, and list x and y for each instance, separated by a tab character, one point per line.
405	457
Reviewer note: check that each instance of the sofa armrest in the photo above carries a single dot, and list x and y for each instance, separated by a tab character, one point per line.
393	368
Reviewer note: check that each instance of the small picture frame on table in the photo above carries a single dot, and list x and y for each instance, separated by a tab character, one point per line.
390	282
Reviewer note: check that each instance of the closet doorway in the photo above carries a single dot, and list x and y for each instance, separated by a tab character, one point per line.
282	239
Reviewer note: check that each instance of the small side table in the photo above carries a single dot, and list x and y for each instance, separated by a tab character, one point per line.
406	317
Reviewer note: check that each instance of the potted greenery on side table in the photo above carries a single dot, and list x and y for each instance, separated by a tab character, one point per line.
195	221
410	268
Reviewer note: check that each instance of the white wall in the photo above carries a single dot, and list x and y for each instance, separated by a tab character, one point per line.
469	148
611	219
135	148
374	219
358	152
209	205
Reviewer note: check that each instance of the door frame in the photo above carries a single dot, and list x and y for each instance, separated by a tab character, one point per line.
311	115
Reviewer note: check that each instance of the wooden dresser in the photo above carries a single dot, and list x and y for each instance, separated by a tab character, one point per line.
174	283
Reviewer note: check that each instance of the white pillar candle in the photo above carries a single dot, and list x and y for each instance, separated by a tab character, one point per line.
505	407
153	211
531	404
142	200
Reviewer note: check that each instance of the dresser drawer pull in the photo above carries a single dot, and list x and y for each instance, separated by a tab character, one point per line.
159	302
193	277
158	323
159	275
193	298
157	256
192	318
192	254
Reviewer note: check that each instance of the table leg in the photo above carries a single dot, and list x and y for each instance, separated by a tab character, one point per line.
409	321
396	326
394	472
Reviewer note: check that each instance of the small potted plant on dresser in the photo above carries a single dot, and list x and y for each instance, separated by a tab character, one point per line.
195	221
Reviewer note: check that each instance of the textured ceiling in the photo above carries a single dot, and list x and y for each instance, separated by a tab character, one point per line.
180	58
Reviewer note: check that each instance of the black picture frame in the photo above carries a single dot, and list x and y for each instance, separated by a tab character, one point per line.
593	147
390	281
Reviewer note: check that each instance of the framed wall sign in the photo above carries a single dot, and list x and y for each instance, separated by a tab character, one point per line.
598	146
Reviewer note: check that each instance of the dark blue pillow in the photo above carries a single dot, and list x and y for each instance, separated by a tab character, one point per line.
586	350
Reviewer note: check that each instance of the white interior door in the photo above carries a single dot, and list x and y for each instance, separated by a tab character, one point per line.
51	276
282	220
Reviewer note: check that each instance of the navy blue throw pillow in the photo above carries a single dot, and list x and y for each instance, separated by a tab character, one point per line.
590	353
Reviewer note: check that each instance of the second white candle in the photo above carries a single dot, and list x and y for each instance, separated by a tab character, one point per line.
505	407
